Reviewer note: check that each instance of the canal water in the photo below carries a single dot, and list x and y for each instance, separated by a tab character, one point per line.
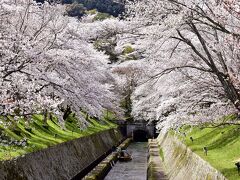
131	170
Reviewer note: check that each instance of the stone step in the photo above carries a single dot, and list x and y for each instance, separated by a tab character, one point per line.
155	164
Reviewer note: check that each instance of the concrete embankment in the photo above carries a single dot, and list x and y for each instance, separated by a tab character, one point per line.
62	161
156	168
183	164
101	170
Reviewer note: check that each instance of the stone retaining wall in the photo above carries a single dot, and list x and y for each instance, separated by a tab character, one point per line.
101	170
182	164
62	161
155	169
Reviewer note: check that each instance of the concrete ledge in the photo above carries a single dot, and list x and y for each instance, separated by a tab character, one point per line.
155	169
101	170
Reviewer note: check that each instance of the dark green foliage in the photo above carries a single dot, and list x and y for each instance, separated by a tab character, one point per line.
92	11
104	6
75	10
67	1
107	45
40	1
126	104
49	1
67	112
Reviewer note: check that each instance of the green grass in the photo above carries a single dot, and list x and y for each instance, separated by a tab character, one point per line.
128	49
223	145
39	135
101	16
92	11
161	153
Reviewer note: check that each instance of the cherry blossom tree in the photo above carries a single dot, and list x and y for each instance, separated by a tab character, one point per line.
47	64
197	41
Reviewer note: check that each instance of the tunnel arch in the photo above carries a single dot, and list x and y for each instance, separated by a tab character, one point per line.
140	135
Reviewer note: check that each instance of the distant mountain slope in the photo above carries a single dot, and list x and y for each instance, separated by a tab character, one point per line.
112	7
107	6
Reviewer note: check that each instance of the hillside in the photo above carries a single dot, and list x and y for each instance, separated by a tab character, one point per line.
19	138
222	145
112	7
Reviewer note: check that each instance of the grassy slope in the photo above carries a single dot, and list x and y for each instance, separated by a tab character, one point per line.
41	136
223	145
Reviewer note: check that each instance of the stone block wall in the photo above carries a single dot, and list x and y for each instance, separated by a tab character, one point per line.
183	164
60	162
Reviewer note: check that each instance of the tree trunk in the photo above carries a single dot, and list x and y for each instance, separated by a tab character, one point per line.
230	90
45	116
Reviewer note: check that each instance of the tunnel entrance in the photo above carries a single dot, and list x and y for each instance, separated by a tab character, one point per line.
140	136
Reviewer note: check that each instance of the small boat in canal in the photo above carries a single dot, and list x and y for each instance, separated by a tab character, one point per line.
124	156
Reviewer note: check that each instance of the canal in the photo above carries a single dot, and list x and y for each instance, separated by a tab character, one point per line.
131	170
